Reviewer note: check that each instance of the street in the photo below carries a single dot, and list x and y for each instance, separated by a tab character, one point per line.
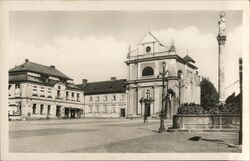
111	136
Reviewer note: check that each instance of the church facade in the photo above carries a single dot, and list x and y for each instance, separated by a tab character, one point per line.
145	63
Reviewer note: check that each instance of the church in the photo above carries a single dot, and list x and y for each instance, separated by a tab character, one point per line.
145	63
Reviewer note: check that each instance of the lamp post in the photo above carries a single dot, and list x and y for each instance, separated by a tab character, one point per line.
162	113
141	101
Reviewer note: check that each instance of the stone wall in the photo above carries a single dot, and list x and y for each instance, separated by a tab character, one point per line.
206	121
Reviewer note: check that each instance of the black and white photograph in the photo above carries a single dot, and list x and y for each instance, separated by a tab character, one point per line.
125	80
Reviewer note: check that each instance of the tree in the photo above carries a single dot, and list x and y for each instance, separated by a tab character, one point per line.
209	95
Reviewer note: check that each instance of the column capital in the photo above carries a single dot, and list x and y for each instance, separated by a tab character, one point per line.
221	39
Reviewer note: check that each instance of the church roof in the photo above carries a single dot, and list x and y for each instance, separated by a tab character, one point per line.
188	59
113	86
149	38
39	68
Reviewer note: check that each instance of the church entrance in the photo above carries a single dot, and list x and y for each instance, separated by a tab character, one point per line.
147	109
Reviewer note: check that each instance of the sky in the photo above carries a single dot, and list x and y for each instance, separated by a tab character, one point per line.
93	45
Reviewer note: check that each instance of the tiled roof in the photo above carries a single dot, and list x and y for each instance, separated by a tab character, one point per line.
72	86
188	59
38	68
23	77
115	86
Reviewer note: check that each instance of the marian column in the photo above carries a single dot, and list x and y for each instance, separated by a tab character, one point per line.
221	38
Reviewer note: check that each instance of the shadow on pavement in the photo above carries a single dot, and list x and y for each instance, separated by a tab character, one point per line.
198	138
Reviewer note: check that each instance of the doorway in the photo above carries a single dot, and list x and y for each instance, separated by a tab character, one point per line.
122	112
58	111
147	109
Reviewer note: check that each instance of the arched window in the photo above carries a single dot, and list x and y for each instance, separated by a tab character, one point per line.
147	71
180	75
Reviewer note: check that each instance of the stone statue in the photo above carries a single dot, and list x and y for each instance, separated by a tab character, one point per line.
222	24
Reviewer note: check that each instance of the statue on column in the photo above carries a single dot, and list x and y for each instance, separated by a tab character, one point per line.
222	24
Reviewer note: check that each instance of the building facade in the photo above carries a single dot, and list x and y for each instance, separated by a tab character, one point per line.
105	99
38	92
145	63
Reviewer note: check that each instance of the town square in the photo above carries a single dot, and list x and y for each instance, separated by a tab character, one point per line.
112	136
126	81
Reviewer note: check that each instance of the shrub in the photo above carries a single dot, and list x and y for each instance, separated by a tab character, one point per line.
190	108
209	95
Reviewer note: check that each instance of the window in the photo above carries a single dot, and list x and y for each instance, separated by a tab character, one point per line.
78	97
34	109
41	109
72	96
49	93
58	93
148	49
17	86
17	90
147	71
34	91
49	109
42	92
105	98
9	86
180	75
114	98
90	99
90	110
97	109
67	95
113	110
97	99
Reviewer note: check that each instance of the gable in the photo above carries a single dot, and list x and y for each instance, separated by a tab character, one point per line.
149	38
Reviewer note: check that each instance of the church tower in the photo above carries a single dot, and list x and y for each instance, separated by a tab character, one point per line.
221	38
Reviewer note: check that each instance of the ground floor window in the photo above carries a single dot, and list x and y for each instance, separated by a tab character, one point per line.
34	109
49	109
41	109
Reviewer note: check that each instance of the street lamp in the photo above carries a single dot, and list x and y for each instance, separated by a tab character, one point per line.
162	113
141	101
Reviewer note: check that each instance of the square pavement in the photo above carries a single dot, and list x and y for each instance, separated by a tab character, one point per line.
111	136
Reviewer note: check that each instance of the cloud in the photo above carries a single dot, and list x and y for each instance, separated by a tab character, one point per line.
99	58
93	58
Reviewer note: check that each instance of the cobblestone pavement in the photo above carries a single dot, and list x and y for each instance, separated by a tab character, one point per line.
110	135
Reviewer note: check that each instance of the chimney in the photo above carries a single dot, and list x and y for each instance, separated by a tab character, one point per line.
113	78
52	66
26	60
84	82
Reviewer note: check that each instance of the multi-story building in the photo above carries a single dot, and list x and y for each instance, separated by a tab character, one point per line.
145	63
105	99
37	91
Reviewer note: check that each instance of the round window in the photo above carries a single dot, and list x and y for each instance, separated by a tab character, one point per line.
148	49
